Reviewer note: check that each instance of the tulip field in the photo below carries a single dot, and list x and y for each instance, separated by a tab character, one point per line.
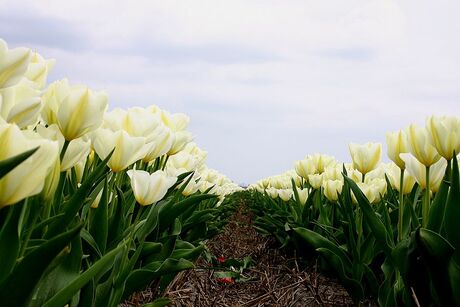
97	204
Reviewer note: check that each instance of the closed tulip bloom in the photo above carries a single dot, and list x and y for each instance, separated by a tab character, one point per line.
332	189
303	195
181	139
397	143
163	140
444	134
272	192
418	171
20	104
394	175
75	109
28	178
38	70
13	64
420	146
367	190
150	188
285	194
191	188
304	168
140	122
128	149
365	157
176	122
315	180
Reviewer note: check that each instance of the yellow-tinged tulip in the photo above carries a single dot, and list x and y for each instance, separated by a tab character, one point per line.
13	64
420	146
418	171
28	178
162	142
128	149
176	122
315	180
183	160
365	157
303	195
304	168
78	150
444	134
75	109
38	70
150	188
272	192
285	194
191	188
140	122
332	189
394	175
397	143
20	104
182	138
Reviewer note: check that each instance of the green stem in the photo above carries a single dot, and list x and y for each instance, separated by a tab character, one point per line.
426	203
364	177
64	149
401	206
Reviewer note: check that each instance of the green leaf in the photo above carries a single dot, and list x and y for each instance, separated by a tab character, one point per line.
452	212
170	211
63	296
9	241
318	241
100	221
353	286
29	271
76	202
139	279
9	164
438	205
375	224
437	253
454	276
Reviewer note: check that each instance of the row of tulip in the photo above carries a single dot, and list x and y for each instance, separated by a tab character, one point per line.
94	204
388	230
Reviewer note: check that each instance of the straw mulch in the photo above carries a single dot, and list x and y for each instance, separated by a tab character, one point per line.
275	279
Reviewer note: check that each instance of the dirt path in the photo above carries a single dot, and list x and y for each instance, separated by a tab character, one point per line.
274	279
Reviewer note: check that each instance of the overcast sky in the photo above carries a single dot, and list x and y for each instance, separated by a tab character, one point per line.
264	82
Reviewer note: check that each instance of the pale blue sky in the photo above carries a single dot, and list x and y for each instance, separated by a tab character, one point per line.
264	82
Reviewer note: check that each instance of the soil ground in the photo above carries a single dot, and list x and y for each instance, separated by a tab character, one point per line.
275	279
